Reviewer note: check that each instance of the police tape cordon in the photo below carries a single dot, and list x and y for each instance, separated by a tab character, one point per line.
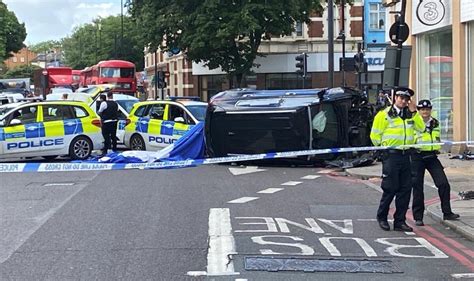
88	166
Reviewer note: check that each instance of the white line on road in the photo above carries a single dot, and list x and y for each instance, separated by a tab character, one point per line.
270	190
367	219
221	243
326	171
410	233
463	275
243	200
196	273
291	183
59	184
310	177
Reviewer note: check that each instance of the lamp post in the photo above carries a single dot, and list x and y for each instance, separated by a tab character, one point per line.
121	23
331	43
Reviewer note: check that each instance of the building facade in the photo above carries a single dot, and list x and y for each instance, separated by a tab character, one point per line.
23	57
277	68
442	62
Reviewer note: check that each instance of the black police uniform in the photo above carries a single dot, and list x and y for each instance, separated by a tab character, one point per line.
109	119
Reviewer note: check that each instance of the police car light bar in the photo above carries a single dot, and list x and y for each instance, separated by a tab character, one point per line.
192	98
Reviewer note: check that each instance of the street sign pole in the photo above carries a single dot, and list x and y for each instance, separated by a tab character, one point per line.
331	43
400	39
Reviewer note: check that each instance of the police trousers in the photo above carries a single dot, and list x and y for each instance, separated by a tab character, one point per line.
396	183
428	161
109	132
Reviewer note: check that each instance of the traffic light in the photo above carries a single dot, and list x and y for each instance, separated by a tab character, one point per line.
302	64
359	62
161	79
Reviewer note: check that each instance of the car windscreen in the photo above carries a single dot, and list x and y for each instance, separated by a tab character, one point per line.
198	111
127	104
4	110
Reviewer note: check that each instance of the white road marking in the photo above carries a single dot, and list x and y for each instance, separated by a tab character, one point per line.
463	275
197	273
367	219
221	243
310	177
270	190
59	184
240	279
410	233
243	200
293	183
245	170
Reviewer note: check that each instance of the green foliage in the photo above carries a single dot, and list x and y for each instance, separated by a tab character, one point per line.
90	44
43	47
220	33
22	71
12	33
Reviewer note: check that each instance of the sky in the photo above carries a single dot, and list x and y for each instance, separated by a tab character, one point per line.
55	19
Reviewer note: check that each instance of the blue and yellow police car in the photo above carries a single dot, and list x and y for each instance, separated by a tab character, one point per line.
153	125
50	129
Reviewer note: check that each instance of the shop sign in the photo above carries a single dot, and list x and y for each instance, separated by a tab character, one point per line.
467	10
430	15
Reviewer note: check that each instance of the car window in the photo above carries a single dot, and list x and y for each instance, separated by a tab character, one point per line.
325	127
176	111
140	112
57	112
80	112
26	115
157	111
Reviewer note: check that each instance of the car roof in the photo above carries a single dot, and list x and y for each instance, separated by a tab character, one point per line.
124	97
182	102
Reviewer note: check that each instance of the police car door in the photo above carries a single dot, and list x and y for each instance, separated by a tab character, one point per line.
21	132
61	127
157	131
180	120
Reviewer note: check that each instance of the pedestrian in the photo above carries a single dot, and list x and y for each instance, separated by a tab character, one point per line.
427	159
108	112
395	126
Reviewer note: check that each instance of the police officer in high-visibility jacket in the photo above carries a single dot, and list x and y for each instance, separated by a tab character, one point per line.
427	159
396	126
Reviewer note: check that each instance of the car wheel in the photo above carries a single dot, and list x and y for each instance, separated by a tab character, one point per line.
137	143
50	157
80	148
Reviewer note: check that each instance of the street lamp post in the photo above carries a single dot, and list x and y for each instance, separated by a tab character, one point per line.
331	43
121	22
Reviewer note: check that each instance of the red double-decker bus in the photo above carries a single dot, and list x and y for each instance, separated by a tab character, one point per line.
117	72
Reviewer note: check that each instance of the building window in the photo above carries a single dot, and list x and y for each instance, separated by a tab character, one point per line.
470	81
376	16
14	59
22	59
299	28
282	81
435	76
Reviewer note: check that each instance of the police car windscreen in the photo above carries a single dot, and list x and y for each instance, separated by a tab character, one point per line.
127	104
198	111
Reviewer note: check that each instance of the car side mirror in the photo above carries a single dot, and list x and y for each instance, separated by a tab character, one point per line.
15	122
2	123
179	120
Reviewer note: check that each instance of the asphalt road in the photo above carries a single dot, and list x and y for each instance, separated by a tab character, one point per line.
210	223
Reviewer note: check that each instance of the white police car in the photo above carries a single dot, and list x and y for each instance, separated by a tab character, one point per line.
154	125
50	129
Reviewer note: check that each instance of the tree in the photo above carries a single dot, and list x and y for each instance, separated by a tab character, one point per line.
12	33
100	40
45	46
22	71
220	33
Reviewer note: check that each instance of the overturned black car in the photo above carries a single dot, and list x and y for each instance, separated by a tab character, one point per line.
246	121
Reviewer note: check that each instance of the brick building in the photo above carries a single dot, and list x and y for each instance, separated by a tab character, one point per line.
277	68
23	57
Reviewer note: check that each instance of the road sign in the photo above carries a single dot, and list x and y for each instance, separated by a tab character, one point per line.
399	31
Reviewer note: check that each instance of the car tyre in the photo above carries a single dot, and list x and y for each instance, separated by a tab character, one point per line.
80	148
137	143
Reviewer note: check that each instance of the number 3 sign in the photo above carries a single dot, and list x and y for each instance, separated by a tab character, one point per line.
430	12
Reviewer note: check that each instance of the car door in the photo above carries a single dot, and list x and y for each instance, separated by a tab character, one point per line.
180	120
22	132
157	131
61	127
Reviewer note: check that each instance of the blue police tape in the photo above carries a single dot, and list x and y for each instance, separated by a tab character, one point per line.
63	167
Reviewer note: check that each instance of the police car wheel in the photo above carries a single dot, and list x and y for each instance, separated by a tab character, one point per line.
80	148
137	143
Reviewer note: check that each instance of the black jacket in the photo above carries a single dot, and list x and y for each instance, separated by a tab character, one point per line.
111	112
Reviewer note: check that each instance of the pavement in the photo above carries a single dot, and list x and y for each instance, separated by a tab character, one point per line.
460	174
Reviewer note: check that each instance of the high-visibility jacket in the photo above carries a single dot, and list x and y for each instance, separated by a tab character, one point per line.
389	129
432	134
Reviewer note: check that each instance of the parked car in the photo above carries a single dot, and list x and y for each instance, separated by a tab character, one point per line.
50	129
247	121
156	124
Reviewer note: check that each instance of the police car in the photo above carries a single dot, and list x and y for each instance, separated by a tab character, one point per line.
50	129
153	125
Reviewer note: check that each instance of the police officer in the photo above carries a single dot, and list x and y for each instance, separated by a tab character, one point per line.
427	159
108	112
395	126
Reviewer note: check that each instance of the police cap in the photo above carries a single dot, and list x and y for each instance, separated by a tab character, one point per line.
402	91
424	104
